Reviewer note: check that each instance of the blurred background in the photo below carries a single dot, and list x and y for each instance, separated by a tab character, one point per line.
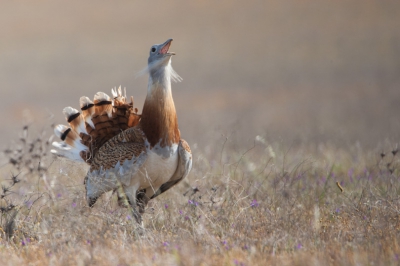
298	71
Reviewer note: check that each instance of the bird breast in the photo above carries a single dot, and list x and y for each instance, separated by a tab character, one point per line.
159	167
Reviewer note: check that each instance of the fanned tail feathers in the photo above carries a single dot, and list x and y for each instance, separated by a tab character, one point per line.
98	121
75	119
87	108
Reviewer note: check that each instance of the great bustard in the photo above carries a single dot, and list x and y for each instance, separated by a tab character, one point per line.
141	156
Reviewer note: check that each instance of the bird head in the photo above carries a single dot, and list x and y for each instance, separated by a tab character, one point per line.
159	53
159	63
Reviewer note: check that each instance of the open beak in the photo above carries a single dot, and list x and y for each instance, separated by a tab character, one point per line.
165	48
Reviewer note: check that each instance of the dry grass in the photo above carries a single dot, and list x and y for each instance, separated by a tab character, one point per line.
265	204
319	79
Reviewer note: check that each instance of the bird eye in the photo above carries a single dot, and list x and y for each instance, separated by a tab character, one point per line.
153	49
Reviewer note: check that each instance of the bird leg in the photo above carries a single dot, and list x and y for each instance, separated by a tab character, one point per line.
137	215
141	200
92	201
130	197
123	200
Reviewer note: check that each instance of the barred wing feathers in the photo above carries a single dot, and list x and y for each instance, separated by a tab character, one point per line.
98	122
116	161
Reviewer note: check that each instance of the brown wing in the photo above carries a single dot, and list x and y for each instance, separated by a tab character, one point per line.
115	163
99	121
104	120
126	145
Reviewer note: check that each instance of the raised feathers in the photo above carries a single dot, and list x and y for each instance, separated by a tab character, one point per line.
142	155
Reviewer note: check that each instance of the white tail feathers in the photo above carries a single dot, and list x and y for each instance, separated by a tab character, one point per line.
85	102
67	151
69	111
70	146
87	107
101	96
119	98
103	104
117	94
98	121
75	119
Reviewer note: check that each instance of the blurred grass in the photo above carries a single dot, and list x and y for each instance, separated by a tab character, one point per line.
329	71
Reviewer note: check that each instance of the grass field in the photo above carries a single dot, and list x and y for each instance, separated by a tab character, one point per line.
291	109
267	204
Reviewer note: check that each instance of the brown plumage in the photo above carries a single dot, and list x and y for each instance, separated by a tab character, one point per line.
159	120
124	146
140	156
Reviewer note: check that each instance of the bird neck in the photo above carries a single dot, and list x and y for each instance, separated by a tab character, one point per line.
159	121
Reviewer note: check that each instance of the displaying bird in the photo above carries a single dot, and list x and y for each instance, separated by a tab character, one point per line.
140	156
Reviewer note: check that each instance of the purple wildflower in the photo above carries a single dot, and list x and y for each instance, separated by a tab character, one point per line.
299	176
128	217
59	195
166	206
180	212
73	204
25	241
166	244
190	201
299	246
254	203
350	172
